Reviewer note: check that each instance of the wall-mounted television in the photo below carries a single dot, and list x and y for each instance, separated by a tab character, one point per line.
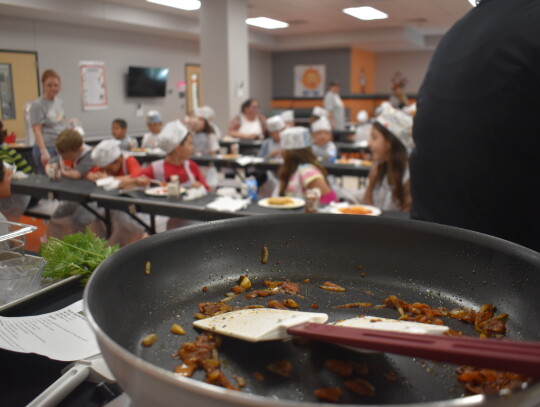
147	82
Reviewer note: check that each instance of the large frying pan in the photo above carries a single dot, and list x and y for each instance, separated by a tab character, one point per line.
416	261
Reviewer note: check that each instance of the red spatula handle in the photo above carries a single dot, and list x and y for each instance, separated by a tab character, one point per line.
513	356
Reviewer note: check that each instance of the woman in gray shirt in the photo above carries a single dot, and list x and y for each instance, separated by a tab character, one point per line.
48	120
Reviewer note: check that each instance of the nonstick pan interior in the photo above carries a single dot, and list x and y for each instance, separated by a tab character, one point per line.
371	258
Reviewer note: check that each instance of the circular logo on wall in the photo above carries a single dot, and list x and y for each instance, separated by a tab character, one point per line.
311	79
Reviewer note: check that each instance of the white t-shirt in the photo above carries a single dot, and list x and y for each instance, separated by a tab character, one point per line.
149	140
250	126
382	194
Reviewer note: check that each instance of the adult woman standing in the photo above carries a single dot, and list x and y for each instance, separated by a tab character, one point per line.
47	119
249	124
334	104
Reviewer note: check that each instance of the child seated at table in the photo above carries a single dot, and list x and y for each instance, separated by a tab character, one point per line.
270	147
14	205
76	155
389	185
317	113
119	132
70	217
111	161
288	117
205	139
177	143
154	124
300	170
323	146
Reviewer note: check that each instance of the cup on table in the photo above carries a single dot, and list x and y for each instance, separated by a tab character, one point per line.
53	170
235	148
313	196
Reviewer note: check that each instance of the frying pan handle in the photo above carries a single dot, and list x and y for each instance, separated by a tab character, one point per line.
515	356
57	391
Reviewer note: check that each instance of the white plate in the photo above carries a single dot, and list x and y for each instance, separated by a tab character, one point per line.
160	191
297	203
374	210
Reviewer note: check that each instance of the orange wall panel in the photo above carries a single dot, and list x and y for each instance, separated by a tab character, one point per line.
362	62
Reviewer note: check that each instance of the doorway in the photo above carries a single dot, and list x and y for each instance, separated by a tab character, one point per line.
19	85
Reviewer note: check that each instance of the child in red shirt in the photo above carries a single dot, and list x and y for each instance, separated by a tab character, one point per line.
177	143
110	160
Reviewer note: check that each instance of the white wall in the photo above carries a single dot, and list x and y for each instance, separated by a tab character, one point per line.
412	64
260	79
62	46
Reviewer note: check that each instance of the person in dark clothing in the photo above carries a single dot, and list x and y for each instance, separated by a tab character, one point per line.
476	162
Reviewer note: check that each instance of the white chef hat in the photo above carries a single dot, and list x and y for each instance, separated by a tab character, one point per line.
171	136
106	152
383	105
275	123
322	124
398	123
153	116
206	112
319	112
295	138
410	110
362	117
287	116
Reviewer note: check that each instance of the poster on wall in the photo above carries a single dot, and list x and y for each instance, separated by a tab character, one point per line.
309	80
93	85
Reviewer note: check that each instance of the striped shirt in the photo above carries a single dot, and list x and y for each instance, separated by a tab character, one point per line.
12	156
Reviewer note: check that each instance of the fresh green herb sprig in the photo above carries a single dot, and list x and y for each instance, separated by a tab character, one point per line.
77	254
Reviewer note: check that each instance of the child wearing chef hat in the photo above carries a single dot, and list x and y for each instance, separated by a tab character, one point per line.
300	170
205	139
110	160
363	128
317	113
270	147
177	143
154	124
288	117
391	139
323	147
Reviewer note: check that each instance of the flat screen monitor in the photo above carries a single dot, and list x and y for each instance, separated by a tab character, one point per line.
147	82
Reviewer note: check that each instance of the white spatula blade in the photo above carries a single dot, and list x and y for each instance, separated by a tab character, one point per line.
395	325
259	324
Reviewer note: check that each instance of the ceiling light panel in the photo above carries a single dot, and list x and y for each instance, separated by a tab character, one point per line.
365	13
265	22
180	4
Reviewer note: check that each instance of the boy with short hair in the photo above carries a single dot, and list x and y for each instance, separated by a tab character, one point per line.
76	155
119	132
154	123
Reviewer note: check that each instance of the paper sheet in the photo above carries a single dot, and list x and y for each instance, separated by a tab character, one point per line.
61	335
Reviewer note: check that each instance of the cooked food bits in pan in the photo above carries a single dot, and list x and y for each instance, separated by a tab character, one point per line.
339	367
265	253
355	305
203	354
282	368
360	386
149	340
330	394
488	381
331	287
177	329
